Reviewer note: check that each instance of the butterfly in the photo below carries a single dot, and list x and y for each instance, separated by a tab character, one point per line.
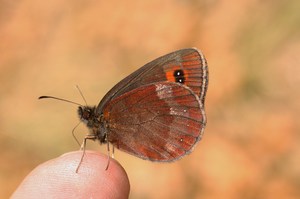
157	112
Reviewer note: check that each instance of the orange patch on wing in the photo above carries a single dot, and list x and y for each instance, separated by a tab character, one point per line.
170	73
170	76
106	114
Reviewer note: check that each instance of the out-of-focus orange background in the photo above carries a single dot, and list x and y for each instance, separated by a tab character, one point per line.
251	146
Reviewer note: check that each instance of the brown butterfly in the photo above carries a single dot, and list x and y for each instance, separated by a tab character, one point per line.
157	112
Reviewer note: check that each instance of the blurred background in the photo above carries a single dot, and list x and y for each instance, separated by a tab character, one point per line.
251	145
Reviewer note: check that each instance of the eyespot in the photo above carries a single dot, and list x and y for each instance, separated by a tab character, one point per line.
179	76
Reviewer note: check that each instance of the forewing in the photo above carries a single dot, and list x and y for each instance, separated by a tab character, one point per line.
159	122
190	62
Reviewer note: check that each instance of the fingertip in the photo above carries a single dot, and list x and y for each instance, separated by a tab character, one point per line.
57	178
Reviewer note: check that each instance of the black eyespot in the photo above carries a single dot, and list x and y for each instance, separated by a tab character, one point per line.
179	76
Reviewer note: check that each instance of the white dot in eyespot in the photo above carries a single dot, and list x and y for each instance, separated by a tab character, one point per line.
181	140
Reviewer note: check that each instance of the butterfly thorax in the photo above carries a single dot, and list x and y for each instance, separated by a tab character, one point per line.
94	122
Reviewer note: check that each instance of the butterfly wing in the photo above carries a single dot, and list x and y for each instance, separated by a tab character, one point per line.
186	66
159	121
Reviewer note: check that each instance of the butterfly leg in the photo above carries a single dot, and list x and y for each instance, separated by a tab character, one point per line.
73	133
82	148
113	152
108	155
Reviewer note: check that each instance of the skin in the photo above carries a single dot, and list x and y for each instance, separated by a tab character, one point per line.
57	178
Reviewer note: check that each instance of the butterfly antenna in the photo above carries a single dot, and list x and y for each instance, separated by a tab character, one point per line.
81	94
57	98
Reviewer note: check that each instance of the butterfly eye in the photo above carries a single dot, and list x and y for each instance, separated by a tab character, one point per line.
179	76
86	113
